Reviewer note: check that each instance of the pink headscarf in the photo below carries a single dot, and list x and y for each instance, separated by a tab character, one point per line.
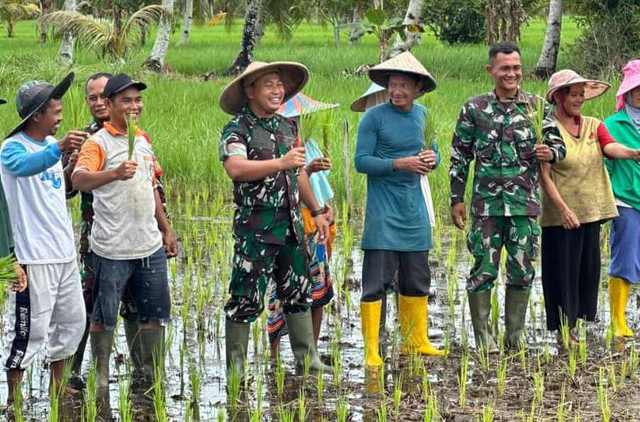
631	80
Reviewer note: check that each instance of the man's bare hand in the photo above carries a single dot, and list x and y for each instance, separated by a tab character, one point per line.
323	228
319	164
126	170
21	283
170	244
328	214
414	164
72	141
544	153
293	159
459	215
429	157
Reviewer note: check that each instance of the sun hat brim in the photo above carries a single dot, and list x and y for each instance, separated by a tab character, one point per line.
381	77
57	92
360	104
294	77
592	88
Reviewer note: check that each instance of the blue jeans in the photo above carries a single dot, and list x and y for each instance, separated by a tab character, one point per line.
145	278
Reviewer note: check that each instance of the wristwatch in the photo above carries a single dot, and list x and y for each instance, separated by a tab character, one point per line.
317	212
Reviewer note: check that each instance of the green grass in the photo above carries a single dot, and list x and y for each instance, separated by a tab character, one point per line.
184	120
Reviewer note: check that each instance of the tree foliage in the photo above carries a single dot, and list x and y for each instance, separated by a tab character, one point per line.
455	22
12	11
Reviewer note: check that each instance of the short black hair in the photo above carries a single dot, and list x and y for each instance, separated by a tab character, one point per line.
504	48
409	75
94	77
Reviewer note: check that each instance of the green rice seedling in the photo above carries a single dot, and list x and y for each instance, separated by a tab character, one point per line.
279	376
382	411
381	382
337	364
603	398
522	352
233	388
613	379
565	331
124	402
532	313
320	389
501	374
633	362
159	401
495	309
131	135
7	270
488	411
624	368
447	339
397	396
560	415
535	115
546	352
286	413
538	386
194	378
306	367
302	405
90	408
188	410
609	336
582	344
452	299
431	413
571	368
462	380
342	409
56	393
255	331
483	358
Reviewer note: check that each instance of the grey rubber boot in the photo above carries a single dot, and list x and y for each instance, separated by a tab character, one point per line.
301	339
480	309
75	379
516	303
152	352
101	345
131	331
236	342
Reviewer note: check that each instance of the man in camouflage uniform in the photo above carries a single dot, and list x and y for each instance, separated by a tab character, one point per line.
496	130
261	153
94	88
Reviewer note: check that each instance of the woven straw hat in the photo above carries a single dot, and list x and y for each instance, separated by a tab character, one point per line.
294	77
403	63
567	77
374	95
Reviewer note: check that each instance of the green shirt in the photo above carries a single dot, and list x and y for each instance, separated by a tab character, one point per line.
624	174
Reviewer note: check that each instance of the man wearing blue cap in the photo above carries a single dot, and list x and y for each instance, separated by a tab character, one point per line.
50	309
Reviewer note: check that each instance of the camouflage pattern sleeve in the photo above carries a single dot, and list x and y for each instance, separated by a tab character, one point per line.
462	147
233	141
552	136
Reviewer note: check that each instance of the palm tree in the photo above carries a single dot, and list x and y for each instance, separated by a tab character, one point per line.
12	11
250	37
65	54
158	54
188	20
549	56
103	36
412	17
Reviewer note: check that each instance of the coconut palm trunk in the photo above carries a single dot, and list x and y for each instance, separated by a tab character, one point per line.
156	59
45	6
65	53
412	17
549	56
188	20
250	37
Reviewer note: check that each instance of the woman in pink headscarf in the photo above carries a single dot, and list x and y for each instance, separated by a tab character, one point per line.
624	268
577	198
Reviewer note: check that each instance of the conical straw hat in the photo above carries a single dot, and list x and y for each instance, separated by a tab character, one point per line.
301	104
294	77
567	77
375	94
403	63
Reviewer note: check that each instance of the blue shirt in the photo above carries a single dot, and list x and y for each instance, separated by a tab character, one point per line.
396	215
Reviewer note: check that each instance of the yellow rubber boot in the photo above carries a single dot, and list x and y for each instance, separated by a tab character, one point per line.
370	314
619	291
413	323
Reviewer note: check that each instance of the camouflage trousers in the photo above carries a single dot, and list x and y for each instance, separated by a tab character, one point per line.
488	235
255	265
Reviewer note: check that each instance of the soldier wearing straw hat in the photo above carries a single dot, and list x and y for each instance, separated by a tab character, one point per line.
262	154
495	129
397	233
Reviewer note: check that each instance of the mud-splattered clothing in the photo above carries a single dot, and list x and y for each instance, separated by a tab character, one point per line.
502	141
267	225
505	192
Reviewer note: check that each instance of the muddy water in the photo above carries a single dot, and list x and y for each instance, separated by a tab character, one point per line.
198	343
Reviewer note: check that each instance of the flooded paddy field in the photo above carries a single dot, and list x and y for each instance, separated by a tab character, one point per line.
597	381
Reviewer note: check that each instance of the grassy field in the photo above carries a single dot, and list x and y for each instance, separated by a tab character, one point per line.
182	113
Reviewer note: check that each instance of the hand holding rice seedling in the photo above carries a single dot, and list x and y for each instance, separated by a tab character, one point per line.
535	115
9	273
131	134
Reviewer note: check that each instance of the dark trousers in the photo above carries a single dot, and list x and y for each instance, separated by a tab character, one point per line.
380	266
570	273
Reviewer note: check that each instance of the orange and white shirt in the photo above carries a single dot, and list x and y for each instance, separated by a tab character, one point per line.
124	224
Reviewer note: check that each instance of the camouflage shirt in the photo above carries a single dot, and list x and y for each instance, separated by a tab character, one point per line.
502	141
267	209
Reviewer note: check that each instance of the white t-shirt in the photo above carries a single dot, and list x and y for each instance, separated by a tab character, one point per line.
41	224
124	222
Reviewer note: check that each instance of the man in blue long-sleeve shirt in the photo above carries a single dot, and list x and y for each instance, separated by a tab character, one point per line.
397	234
50	309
